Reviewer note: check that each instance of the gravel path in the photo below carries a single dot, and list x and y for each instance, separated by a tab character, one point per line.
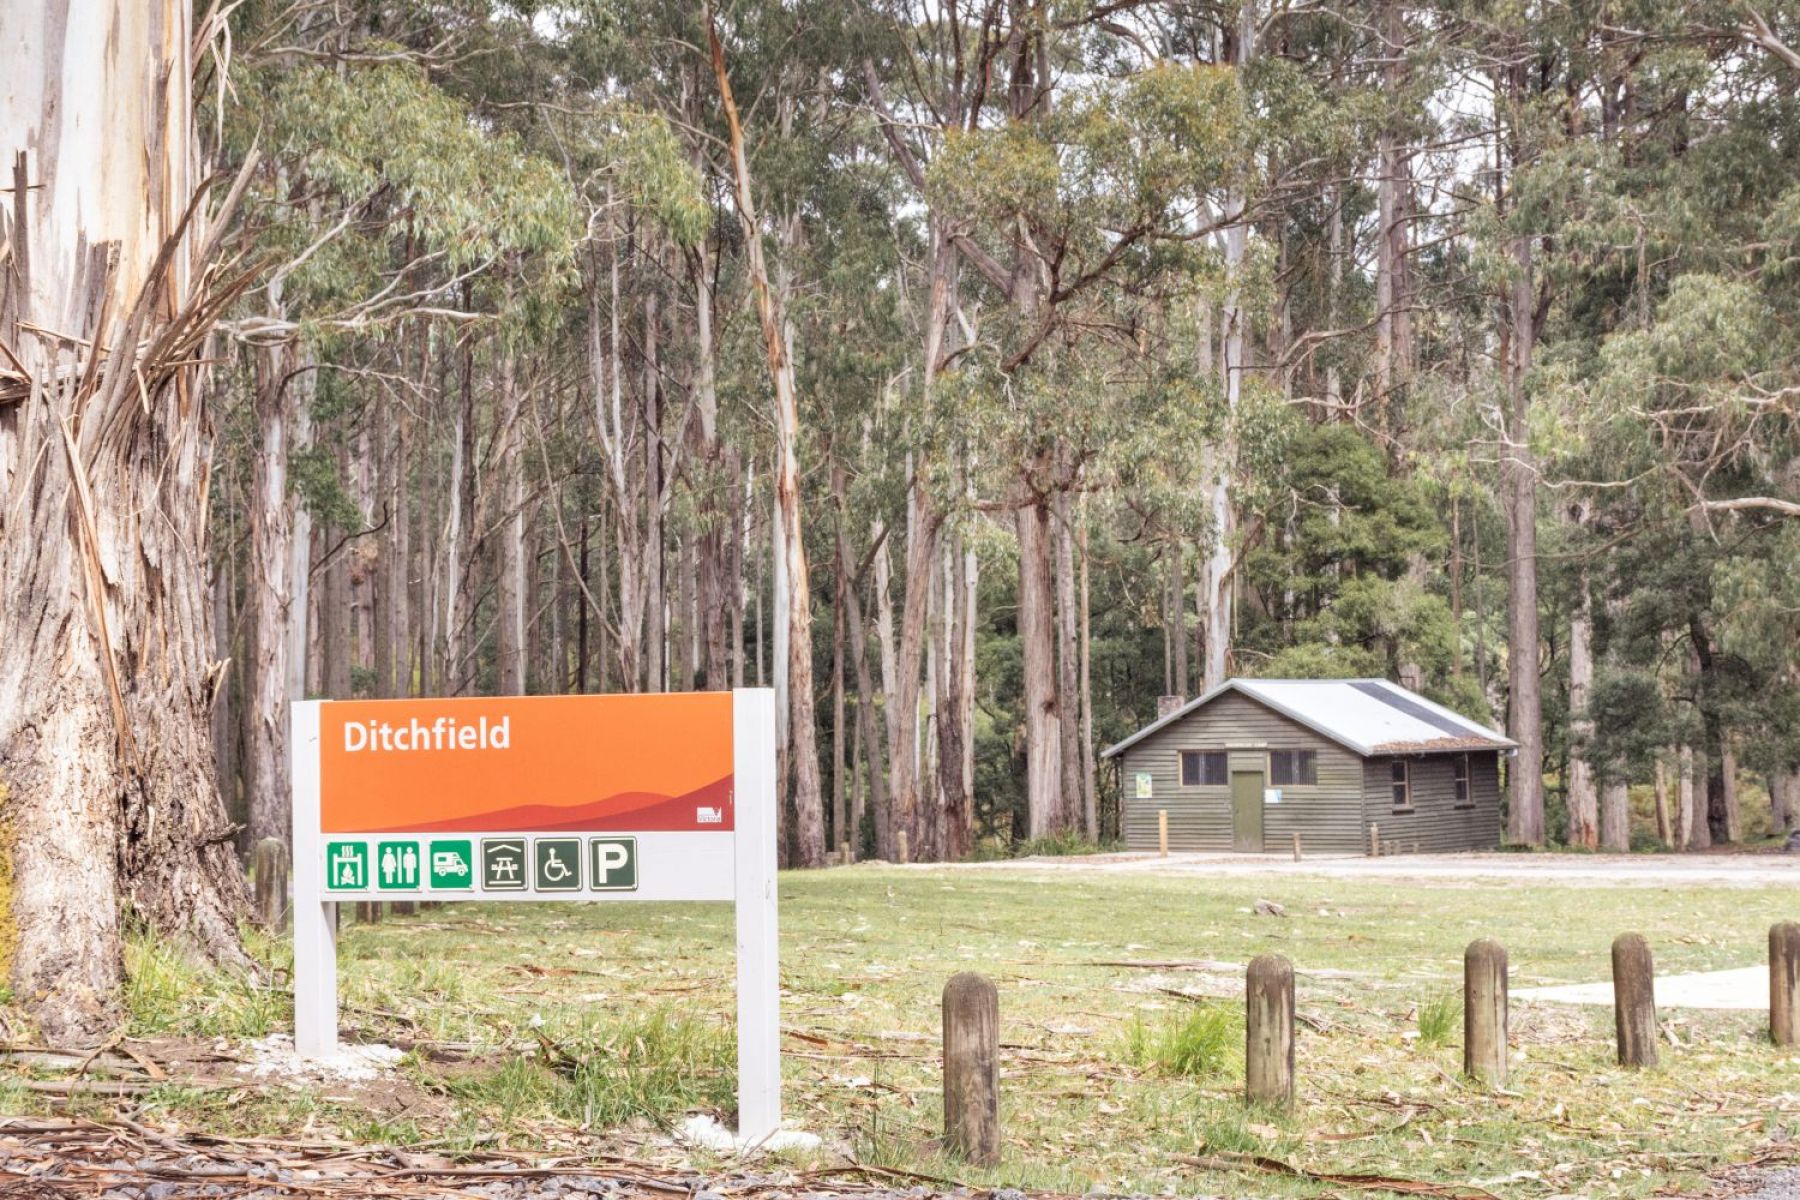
1631	870
1780	1183
1740	988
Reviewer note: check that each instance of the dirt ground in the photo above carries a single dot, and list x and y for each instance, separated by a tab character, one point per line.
1635	870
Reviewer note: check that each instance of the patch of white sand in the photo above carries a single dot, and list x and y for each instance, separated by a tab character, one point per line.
1744	988
275	1057
707	1133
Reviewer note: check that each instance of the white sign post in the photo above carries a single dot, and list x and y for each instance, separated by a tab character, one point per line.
715	844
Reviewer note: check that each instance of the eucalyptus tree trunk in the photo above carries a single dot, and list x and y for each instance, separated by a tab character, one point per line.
1615	816
1219	461
107	795
510	612
1583	799
1068	668
1044	801
855	627
809	838
1393	321
1518	473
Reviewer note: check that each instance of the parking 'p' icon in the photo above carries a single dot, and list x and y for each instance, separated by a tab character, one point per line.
615	866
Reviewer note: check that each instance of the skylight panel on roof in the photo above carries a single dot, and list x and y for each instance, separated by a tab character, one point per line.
1412	708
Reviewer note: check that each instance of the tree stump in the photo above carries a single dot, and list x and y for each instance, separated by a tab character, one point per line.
403	908
1634	1000
269	867
1484	1012
1269	1031
1784	983
972	1069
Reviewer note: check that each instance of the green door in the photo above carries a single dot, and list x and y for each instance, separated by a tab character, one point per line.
1246	810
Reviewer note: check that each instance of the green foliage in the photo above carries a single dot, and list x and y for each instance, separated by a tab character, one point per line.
168	992
652	1065
1205	1041
1438	1019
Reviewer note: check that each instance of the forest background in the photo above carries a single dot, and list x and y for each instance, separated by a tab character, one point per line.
974	373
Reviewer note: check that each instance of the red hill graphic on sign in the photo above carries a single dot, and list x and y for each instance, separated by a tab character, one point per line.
708	808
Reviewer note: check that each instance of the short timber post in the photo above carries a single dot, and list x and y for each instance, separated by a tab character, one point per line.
269	863
904	851
1484	1012
1374	840
844	850
1296	845
972	1069
1162	832
1634	1000
1784	983
1269	1031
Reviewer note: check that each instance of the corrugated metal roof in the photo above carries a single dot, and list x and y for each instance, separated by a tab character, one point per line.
1369	716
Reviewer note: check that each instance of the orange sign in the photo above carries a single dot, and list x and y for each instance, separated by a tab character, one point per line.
521	764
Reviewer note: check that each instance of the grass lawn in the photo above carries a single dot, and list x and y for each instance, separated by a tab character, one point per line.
1120	1001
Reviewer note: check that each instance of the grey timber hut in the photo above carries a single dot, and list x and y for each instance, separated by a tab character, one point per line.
1255	761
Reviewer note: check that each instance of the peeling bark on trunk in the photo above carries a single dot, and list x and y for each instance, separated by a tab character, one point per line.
108	680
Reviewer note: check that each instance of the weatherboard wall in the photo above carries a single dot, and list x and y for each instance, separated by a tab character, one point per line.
1327	815
1436	823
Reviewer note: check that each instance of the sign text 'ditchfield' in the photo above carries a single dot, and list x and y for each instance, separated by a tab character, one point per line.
445	733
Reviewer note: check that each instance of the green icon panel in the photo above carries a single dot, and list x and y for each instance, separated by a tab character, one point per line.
346	866
502	864
451	865
614	864
398	867
557	864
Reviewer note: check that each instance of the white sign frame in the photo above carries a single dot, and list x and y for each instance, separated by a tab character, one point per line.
743	873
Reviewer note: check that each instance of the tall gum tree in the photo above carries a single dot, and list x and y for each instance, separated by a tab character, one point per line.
108	678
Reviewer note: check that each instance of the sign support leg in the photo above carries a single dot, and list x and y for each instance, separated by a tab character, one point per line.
758	970
315	918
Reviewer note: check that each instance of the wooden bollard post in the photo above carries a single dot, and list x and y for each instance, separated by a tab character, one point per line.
1374	840
972	1069
1634	1000
1269	1031
1784	983
1484	1012
269	863
1296	845
1162	832
844	850
904	851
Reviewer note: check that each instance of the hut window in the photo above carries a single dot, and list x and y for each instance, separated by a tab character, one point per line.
1203	768
1293	767
1402	784
1459	767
